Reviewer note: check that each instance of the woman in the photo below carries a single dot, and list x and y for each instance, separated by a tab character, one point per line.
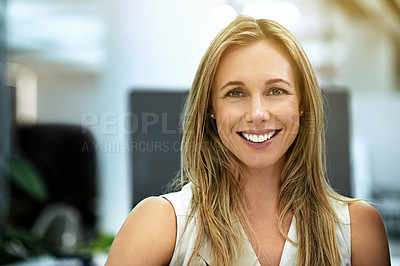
253	169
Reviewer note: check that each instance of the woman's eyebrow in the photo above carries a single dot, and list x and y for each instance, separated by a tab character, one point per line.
273	81
232	83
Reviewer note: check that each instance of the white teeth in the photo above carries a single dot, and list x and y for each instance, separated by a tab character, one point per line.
270	134
258	138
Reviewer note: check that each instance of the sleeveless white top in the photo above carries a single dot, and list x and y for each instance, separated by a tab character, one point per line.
186	237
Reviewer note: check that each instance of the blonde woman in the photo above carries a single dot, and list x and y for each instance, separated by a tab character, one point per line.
253	169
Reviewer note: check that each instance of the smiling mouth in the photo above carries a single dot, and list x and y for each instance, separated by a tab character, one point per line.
259	138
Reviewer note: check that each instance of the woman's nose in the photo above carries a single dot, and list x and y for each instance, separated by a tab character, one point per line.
257	112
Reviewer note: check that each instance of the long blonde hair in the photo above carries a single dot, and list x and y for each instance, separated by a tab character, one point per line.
214	171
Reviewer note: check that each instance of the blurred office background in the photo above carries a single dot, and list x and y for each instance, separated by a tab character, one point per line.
71	63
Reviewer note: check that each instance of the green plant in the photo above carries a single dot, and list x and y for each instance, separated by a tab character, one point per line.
22	173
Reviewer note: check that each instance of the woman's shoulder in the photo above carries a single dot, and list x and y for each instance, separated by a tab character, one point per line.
364	216
362	209
368	235
147	236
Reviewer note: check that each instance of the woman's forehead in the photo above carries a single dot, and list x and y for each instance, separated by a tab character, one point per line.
264	56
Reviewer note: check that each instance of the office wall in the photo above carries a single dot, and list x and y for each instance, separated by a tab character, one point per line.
63	97
375	131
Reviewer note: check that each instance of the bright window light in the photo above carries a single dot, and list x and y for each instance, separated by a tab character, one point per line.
223	14
26	94
287	14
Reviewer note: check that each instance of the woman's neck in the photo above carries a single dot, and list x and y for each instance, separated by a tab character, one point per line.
262	190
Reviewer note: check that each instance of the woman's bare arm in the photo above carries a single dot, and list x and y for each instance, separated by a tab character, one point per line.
147	237
369	243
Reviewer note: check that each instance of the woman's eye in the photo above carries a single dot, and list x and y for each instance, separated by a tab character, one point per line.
235	94
276	92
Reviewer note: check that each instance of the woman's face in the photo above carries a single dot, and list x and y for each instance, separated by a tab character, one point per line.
255	101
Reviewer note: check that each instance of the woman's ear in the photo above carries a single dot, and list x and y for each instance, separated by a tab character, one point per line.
211	125
211	112
301	110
